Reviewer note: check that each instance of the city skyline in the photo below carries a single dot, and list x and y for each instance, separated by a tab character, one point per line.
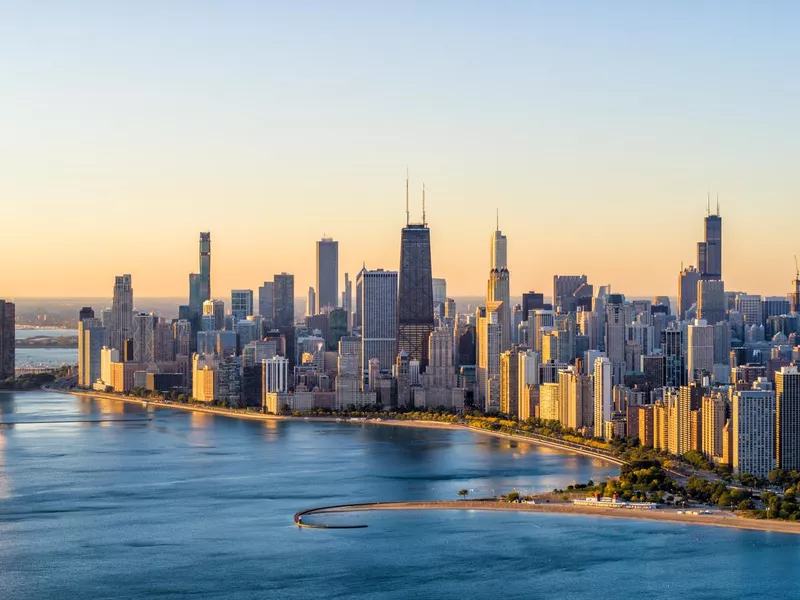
534	110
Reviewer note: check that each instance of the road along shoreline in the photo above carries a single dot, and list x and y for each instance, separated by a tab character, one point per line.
664	515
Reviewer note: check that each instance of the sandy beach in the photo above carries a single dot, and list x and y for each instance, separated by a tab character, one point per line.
717	519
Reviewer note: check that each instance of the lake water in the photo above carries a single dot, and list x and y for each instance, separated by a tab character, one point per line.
168	503
50	357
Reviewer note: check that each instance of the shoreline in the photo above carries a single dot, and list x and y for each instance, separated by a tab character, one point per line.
663	515
421	424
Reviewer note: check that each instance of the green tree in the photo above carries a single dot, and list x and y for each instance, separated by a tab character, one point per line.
463	493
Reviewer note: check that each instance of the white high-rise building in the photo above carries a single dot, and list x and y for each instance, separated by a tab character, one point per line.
603	394
377	301
753	430
700	349
275	374
121	312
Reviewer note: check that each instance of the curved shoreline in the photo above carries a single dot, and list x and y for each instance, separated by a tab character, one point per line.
224	412
664	515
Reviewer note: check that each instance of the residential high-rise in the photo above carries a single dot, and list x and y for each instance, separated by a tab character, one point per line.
700	350
266	297
751	307
121	312
603	394
711	305
327	288
86	313
91	340
713	412
283	301
241	303
687	290
275	375
787	421
7	339
709	251
509	382
753	421
377	299
415	319
617	318
577	398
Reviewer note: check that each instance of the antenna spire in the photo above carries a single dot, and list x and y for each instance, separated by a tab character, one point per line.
497	211
708	203
717	202
408	219
423	204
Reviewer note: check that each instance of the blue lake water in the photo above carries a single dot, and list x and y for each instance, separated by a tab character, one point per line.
169	504
50	357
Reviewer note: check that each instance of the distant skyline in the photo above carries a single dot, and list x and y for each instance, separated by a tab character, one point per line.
596	132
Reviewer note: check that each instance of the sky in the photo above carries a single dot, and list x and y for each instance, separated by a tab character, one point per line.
595	128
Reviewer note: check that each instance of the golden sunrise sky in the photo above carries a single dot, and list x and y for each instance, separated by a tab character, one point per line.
595	129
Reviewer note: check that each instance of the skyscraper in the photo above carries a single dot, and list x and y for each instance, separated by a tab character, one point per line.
215	309
602	394
566	288
674	363
241	303
121	312
283	302
205	266
711	305
709	252
144	337
7	339
700	350
347	300
377	294
787	422
687	290
498	291
266	295
753	430
327	289
311	302
439	296
91	340
415	297
86	313
509	382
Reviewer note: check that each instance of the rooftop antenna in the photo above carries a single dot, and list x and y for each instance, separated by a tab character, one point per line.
796	268
408	219
498	218
708	203
717	202
423	204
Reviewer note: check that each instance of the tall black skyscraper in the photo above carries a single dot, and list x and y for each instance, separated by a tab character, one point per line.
709	252
327	274
205	266
415	297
